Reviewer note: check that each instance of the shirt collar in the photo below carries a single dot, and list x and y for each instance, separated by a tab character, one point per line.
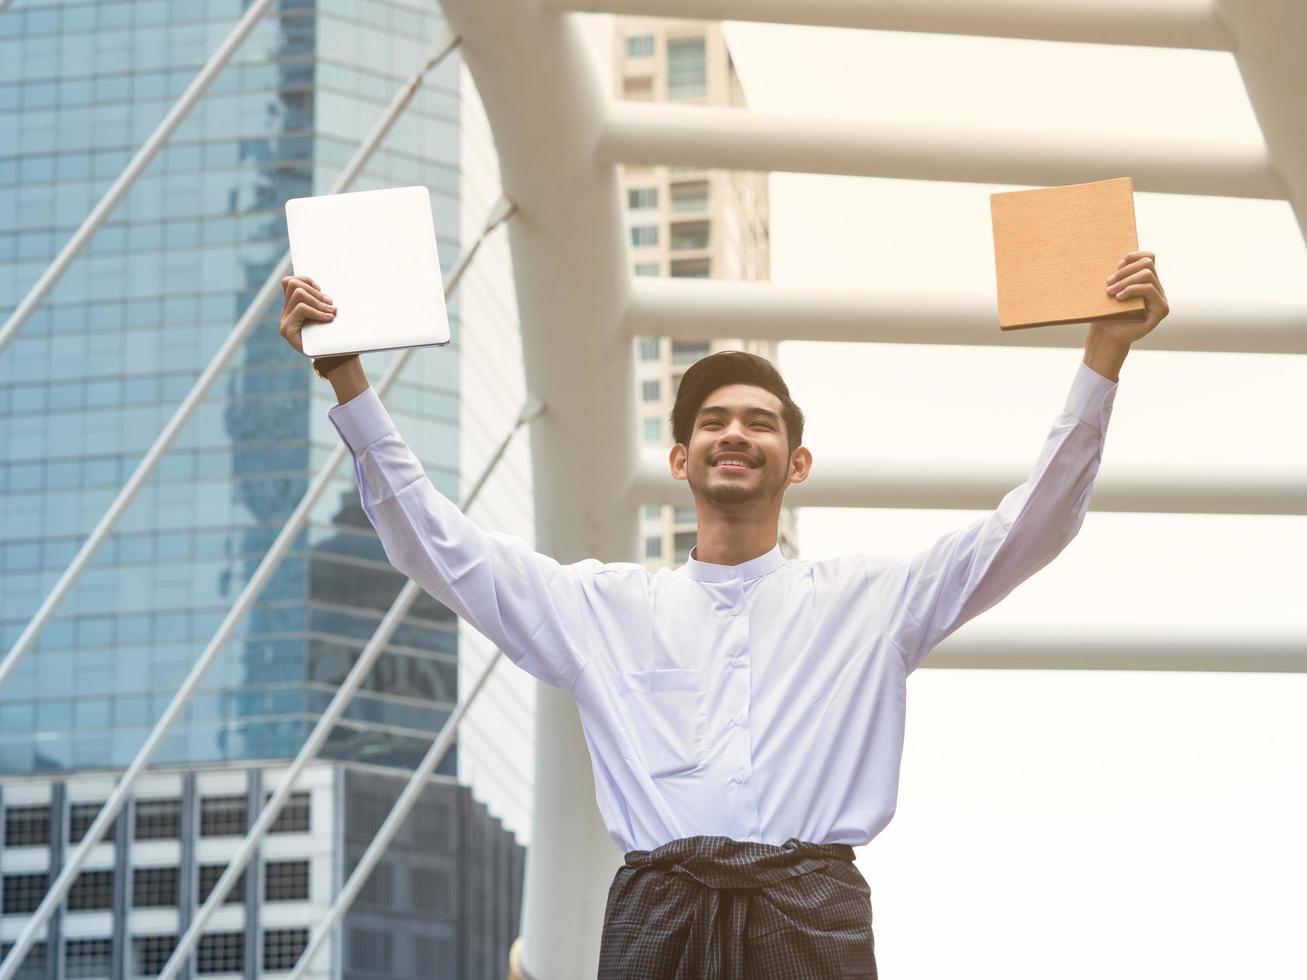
703	571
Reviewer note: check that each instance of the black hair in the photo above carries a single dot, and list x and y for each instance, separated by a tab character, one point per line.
732	367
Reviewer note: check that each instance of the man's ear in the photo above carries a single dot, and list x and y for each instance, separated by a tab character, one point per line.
800	465
676	459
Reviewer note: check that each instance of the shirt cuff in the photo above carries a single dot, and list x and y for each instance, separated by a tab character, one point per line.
362	420
1091	397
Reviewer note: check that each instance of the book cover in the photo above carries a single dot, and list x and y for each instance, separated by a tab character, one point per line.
1054	248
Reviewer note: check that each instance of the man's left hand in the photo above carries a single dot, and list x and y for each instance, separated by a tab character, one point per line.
1135	276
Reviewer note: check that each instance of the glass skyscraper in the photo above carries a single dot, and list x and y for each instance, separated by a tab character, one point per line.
93	377
85	389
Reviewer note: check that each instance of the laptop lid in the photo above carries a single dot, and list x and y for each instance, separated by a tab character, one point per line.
374	253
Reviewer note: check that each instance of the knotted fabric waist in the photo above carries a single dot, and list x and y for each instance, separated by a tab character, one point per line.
713	908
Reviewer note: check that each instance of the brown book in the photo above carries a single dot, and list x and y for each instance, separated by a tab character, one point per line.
1054	248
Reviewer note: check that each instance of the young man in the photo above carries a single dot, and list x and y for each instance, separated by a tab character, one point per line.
744	712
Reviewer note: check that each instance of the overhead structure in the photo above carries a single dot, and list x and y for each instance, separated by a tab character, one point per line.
560	142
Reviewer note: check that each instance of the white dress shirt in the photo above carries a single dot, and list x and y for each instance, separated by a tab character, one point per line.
759	701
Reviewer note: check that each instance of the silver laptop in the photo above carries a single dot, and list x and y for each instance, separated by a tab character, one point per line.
374	254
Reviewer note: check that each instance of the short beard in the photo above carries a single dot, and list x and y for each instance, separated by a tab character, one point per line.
727	496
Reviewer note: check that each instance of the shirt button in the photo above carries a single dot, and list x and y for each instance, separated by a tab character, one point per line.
736	662
739	776
735	611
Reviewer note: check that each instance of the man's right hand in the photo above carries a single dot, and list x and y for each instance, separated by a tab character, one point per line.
305	301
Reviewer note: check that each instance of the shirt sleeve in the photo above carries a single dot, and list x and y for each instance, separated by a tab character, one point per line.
524	602
967	571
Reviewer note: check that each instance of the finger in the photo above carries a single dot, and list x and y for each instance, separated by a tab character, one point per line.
306	294
306	312
1132	256
288	286
1151	294
1130	268
1143	275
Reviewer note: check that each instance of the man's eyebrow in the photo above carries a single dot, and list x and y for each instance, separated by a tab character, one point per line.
722	410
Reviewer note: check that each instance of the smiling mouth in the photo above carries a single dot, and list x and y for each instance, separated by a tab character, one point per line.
733	467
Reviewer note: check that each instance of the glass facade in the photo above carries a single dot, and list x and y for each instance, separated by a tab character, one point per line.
91	380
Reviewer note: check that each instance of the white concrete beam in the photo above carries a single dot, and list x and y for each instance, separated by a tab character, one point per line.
1268	50
691	309
650	134
1239	648
1163	488
1158	23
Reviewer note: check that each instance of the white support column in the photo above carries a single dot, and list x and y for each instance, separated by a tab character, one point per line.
651	134
1157	23
545	106
690	309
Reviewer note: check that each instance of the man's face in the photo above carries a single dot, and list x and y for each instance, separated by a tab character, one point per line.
738	451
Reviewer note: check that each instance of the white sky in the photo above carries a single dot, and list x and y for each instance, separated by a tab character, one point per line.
1064	824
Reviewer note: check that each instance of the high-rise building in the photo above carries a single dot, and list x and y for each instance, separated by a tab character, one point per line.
689	223
90	382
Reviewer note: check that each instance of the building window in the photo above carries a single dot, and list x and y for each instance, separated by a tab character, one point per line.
371	951
687	68
221	952
690	196
294	816
638	89
431	890
653	547
150	953
653	512
282	948
33	967
88	957
80	818
683	542
641	197
92	891
286	881
644	235
650	348
158	820
378	892
27	826
687	235
209	875
650	391
647	269
691	268
653	430
155	888
640	46
685	515
23	893
224	816
688	351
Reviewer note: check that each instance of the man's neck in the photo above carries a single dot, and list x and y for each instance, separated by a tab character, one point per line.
726	545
